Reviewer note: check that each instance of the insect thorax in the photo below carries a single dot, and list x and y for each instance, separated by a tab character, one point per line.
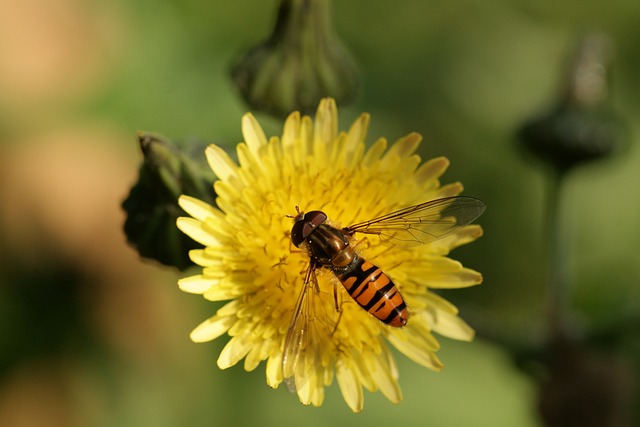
329	247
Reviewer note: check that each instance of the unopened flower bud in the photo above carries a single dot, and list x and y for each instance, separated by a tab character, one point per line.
299	64
581	126
152	205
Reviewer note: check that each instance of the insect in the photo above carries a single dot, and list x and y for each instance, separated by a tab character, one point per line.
330	248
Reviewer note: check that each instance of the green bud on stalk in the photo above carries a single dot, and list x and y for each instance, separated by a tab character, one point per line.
582	125
152	205
299	64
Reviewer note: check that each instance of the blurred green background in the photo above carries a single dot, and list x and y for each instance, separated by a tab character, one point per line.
90	335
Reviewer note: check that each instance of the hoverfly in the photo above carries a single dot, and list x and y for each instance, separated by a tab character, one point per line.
330	248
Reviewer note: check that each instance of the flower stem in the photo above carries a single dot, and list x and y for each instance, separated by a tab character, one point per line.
559	272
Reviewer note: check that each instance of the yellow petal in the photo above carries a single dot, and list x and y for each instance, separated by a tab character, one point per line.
375	152
233	352
443	273
249	259
455	279
204	258
459	237
197	284
212	328
305	139
449	325
449	190
310	387
250	163
220	162
229	309
221	292
418	354
357	133
326	121
349	385
383	375
253	134
417	343
254	357
274	370
427	175
196	230
197	208
291	130
404	146
435	301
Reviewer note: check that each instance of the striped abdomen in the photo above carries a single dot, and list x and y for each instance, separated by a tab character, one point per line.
374	291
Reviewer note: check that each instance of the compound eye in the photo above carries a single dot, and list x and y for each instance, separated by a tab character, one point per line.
305	226
315	218
299	232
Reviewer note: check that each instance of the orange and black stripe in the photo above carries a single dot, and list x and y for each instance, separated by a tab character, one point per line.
374	291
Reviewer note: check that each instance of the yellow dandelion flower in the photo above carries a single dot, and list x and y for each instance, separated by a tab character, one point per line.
289	302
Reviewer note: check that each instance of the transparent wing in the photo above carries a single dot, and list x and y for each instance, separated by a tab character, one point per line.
423	223
307	347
